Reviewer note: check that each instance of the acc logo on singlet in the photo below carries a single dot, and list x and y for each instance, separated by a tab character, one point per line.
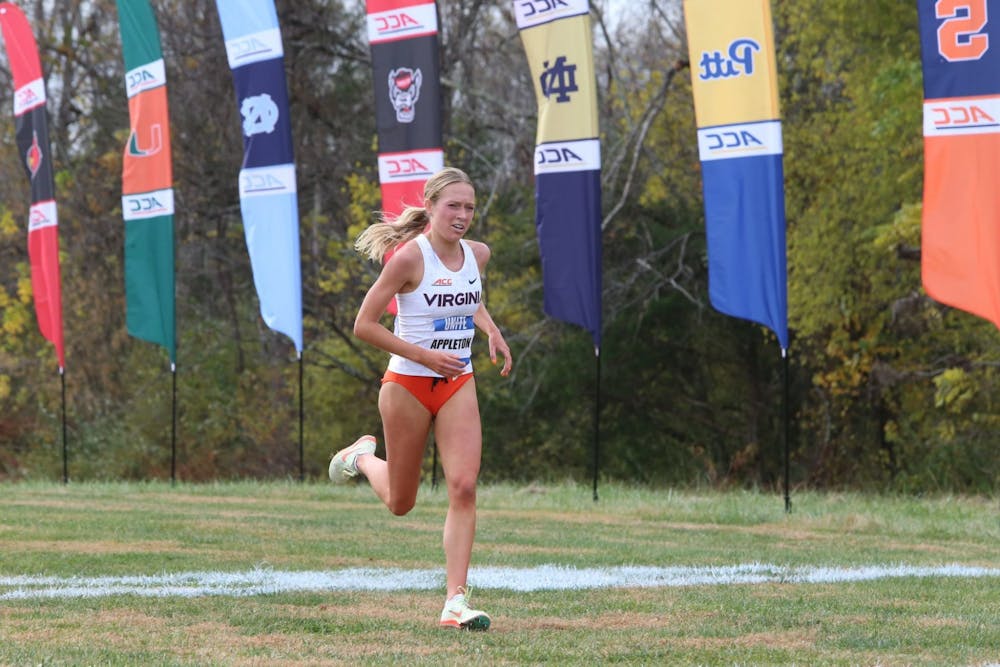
960	36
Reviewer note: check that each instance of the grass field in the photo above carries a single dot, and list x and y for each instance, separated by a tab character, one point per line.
60	546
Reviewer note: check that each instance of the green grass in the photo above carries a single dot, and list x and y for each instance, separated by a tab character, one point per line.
149	529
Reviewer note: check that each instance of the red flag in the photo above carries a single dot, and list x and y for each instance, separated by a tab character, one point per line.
403	35
33	143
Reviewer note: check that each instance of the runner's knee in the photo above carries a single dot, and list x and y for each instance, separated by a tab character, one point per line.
462	492
401	506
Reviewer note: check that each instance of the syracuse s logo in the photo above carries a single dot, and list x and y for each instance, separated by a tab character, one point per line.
960	36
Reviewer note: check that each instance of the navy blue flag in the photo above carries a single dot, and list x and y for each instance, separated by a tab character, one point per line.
268	192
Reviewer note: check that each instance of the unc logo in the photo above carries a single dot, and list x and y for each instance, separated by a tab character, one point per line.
737	62
404	91
260	114
558	80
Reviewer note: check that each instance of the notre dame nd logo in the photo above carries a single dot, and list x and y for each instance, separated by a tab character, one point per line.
558	80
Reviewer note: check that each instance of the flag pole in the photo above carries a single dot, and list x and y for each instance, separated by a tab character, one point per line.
65	453
597	416
173	424
302	469
785	418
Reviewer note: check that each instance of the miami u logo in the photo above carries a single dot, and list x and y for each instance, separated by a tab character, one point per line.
960	36
154	147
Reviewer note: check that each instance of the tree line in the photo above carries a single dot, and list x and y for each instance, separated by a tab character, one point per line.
889	390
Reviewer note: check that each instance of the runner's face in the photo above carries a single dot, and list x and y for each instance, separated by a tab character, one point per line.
451	215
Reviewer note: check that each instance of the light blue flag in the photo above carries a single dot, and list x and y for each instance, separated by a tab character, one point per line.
268	194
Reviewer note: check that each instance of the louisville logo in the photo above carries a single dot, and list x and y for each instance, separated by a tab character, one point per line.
33	157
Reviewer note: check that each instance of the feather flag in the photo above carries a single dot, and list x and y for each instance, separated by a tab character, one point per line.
268	192
734	81
403	36
960	245
557	41
33	144
147	182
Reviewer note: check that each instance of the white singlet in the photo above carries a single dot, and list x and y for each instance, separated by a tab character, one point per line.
438	314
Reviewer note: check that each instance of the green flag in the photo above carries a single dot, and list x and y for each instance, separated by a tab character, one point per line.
147	182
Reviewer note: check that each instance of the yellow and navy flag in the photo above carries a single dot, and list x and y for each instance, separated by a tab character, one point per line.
557	40
734	81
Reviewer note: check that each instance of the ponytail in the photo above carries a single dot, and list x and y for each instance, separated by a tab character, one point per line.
386	234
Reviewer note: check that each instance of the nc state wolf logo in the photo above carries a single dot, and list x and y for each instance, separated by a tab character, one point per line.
404	91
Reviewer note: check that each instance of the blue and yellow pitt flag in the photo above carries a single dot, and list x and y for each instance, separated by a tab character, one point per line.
734	82
557	41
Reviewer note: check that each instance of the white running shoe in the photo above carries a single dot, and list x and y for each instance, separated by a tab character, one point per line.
344	464
457	614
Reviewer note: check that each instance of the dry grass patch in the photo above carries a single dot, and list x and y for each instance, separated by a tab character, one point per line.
793	640
97	547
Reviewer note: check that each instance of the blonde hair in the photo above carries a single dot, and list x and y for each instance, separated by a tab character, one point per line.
387	233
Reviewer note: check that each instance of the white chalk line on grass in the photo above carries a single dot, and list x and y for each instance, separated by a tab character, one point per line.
263	581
